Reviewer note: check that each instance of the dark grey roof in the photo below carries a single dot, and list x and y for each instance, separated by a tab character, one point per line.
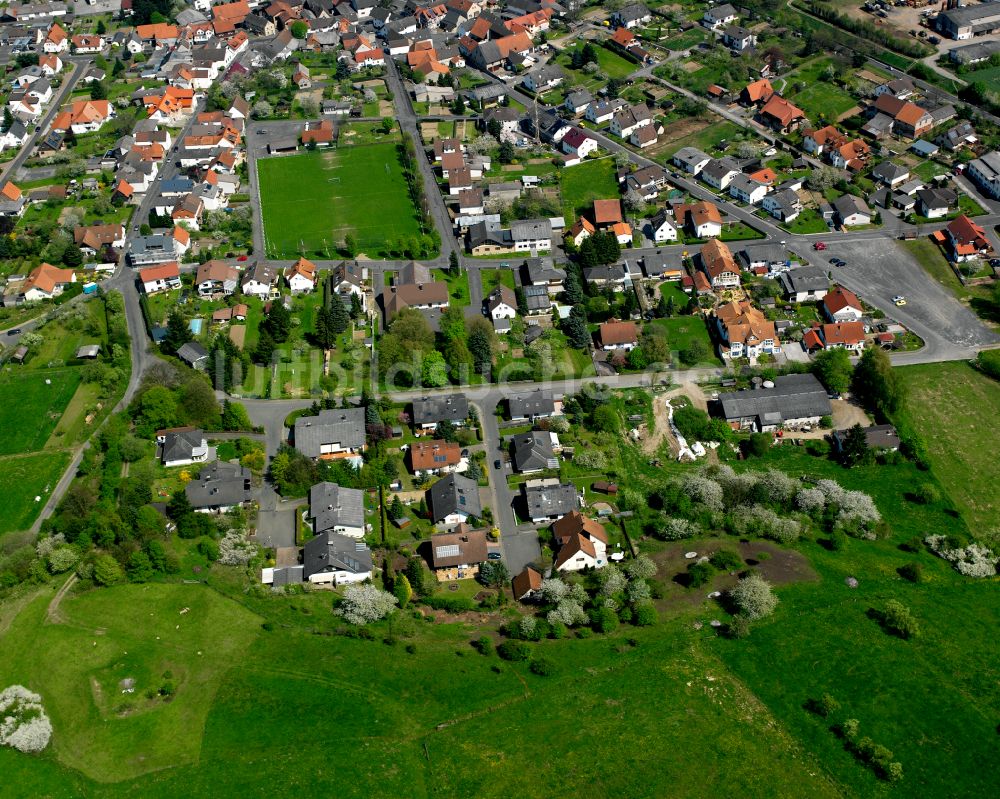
287	575
536	403
454	494
793	397
772	253
889	171
220	484
192	352
543	270
452	407
537	299
343	426
532	452
548	501
180	445
329	552
331	505
804	278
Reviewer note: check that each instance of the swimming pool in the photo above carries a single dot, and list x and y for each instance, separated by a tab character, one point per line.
195	326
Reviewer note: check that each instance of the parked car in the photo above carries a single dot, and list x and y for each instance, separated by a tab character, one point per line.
14	331
493	556
819	245
899	299
497	464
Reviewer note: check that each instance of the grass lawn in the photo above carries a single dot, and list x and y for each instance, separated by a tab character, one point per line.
580	185
824	101
808	221
38	396
22	478
458	287
312	200
705	139
929	170
682	331
496	277
954	408
108	735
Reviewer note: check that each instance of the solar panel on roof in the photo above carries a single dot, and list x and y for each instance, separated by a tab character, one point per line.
448	551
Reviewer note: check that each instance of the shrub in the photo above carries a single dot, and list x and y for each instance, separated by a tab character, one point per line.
726	560
568	612
913	572
451	604
825	706
897	619
514	651
642	568
24	727
645	615
753	597
738	627
603	620
483	645
542	666
209	549
674	529
698	574
926	494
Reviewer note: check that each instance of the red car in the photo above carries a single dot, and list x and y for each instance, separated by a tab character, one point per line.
242	258
819	245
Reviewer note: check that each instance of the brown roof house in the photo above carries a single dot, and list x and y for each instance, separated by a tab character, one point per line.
582	542
718	263
526	584
744	332
459	554
781	116
616	335
434	457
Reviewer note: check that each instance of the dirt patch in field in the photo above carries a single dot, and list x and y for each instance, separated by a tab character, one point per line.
777	565
847	414
690	66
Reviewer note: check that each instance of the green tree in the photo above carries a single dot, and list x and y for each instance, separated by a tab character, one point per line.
506	154
178	333
140	568
300	30
264	350
323	329
107	571
357	309
695	352
118	69
179	505
454	267
101	28
197	402
494	129
434	370
401	588
875	383
605	419
854	446
235	416
156	409
575	328
98	90
340	320
833	369
387	125
396	510
494	573
481	348
278	322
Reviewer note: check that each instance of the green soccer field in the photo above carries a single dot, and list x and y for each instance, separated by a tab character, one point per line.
310	202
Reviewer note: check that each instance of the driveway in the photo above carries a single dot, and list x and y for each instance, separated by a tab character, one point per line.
276	528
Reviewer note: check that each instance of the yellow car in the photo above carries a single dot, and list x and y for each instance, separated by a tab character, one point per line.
899	300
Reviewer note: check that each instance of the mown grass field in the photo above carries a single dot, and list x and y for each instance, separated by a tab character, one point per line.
311	201
30	407
580	185
24	477
955	408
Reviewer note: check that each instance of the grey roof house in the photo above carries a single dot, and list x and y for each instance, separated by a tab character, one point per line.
334	508
333	433
548	500
336	559
453	500
534	405
219	487
428	411
804	283
532	452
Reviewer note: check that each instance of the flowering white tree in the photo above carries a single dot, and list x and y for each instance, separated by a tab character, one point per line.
363	604
753	596
236	550
553	590
974	560
810	500
676	529
23	723
46	544
857	507
642	568
526	627
703	490
777	486
569	612
637	591
612	580
62	559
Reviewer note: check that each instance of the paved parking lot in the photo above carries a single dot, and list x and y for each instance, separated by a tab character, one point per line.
879	270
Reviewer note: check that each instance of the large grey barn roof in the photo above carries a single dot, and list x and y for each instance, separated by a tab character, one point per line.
793	397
